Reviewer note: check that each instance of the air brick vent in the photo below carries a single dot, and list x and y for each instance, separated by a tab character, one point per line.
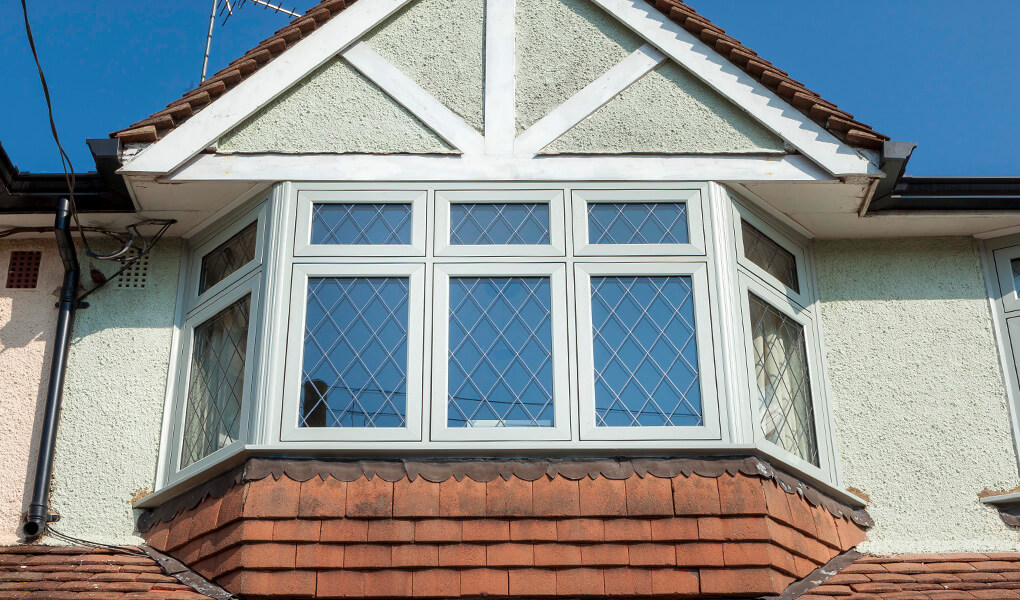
136	277
23	271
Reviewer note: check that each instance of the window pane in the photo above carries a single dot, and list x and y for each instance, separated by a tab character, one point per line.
781	371
228	257
1015	265
354	370
637	223
645	352
213	412
500	360
770	256
499	223
361	223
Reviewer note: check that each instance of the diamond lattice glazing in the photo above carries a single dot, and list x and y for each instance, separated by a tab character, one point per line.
637	223
213	411
781	371
355	352
645	352
770	256
228	257
500	357
361	223
513	223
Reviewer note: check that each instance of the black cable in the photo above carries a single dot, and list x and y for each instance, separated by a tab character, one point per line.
128	263
90	544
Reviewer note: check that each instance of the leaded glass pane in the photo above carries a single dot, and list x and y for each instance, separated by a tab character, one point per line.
637	223
645	352
213	413
500	358
228	257
781	371
361	223
770	256
508	223
1015	265
354	371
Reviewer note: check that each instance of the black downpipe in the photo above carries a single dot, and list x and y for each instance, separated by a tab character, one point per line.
39	509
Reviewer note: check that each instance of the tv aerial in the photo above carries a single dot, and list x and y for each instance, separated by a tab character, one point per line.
225	9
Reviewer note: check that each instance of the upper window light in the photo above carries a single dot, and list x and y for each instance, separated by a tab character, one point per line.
528	317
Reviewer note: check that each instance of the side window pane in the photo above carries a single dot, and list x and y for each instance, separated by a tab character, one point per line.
228	257
508	223
637	223
645	352
1015	267
781	371
500	360
213	412
354	371
770	256
361	223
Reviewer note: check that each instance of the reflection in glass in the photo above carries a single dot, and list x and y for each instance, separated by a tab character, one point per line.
645	352
228	257
354	371
770	256
500	357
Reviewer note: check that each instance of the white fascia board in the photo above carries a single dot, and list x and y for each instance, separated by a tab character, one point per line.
443	121
811	139
402	167
232	108
591	98
500	77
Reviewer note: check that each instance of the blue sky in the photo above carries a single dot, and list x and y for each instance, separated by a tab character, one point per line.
934	72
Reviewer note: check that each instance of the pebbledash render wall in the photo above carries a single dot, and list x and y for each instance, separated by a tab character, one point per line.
562	46
919	400
112	414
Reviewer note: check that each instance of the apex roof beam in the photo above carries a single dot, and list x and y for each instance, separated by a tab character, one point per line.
500	68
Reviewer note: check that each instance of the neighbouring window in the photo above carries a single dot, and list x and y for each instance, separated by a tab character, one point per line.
775	260
228	257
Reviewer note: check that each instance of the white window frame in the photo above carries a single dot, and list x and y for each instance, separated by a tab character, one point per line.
303	246
1010	296
412	431
251	284
799	252
552	198
562	346
256	215
698	272
692	198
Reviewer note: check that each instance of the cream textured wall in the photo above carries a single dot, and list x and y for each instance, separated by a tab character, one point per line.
336	110
108	439
27	322
667	111
919	400
439	44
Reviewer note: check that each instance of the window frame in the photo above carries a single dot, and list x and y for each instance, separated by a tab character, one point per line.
251	284
307	198
255	215
290	431
802	297
692	197
444	224
706	350
562	347
1008	292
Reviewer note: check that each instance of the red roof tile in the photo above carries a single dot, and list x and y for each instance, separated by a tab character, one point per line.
969	576
839	122
69	573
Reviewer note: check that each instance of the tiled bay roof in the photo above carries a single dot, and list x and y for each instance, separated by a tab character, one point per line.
839	122
73	573
925	577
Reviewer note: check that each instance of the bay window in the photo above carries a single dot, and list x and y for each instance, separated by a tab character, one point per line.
495	318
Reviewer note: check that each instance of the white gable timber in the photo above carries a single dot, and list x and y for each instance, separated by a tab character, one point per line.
663	39
743	90
232	108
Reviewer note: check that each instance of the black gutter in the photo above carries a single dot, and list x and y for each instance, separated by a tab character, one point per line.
952	194
38	511
40	193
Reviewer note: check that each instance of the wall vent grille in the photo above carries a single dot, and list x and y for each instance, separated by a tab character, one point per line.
135	277
23	271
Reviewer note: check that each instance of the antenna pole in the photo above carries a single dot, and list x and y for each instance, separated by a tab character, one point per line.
208	39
